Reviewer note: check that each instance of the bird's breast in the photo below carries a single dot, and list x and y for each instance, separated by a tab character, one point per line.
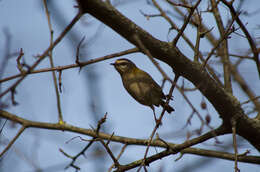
139	88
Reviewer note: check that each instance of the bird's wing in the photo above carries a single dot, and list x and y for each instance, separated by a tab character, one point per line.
149	80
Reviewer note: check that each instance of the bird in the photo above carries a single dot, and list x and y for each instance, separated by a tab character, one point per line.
140	85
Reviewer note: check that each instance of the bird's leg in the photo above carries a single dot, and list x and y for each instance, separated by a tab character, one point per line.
169	96
154	113
158	122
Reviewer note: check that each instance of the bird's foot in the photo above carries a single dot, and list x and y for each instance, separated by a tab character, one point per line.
169	97
158	122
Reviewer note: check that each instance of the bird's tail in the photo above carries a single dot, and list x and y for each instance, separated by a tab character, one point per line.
167	107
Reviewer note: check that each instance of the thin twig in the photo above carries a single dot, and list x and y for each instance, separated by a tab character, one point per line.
52	64
236	55
147	52
250	100
118	156
110	153
225	36
233	121
187	20
192	107
82	152
179	5
224	47
197	45
4	61
18	61
3	126
244	86
143	164
173	149
244	29
78	53
60	68
209	36
44	54
12	141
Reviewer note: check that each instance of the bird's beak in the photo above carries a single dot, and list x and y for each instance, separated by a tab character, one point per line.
112	64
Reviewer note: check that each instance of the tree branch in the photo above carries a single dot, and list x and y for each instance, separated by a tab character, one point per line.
133	141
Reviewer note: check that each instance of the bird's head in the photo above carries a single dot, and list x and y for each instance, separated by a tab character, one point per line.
124	66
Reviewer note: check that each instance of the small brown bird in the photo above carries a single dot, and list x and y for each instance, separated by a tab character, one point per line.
140	85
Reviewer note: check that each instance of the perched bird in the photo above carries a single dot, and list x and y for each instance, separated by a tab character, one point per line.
140	85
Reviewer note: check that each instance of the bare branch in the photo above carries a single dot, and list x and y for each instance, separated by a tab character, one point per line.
52	64
133	141
60	68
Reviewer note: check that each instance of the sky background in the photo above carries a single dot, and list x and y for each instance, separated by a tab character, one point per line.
100	85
